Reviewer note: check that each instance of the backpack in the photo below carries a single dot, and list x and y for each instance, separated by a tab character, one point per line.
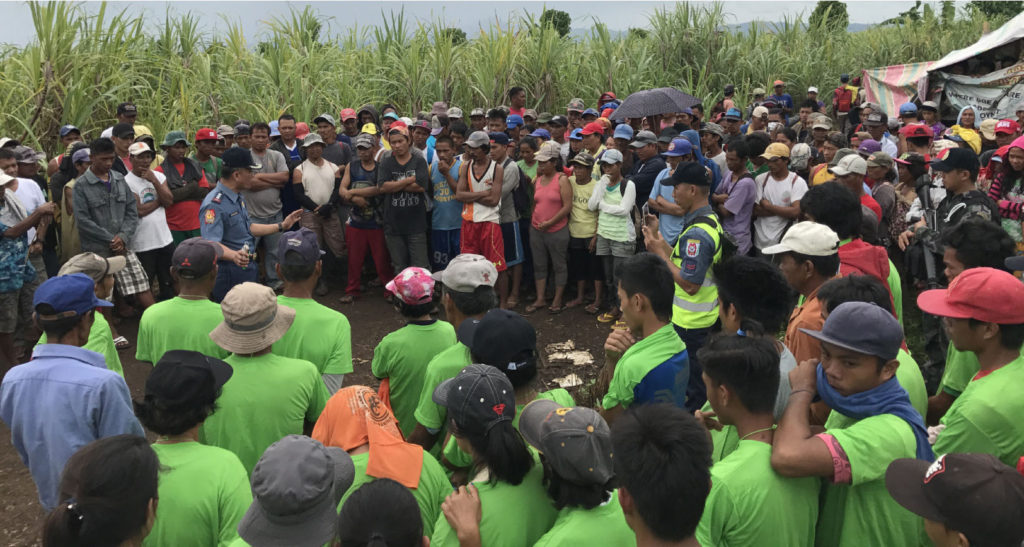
725	239
520	194
844	99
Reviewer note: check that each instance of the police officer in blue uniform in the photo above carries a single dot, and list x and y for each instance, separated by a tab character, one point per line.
223	219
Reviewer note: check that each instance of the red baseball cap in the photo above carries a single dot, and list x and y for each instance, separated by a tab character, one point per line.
207	134
984	294
1007	126
347	114
607	113
777	83
592	128
917	130
606	96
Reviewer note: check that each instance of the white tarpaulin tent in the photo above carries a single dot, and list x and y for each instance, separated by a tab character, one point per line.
970	76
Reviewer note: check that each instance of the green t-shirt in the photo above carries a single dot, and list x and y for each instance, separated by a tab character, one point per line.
178	323
988	417
602	525
319	335
204	492
403	356
443	366
267	398
513	515
908	374
862	512
896	288
429	493
101	340
749	502
961	366
639	360
211	168
457	458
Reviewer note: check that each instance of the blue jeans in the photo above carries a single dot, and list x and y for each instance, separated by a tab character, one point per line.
696	391
229	275
270	248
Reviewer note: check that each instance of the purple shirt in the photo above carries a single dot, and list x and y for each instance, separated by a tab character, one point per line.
741	205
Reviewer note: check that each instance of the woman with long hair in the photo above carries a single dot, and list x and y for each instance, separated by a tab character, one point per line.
1008	192
516	510
108	495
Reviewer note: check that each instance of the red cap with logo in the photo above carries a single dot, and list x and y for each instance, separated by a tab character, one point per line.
347	114
984	294
207	134
593	128
917	130
1007	126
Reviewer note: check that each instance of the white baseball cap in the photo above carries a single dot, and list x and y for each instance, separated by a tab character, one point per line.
812	89
852	163
807	238
138	148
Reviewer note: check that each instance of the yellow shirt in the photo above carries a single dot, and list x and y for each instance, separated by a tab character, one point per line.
582	221
822	176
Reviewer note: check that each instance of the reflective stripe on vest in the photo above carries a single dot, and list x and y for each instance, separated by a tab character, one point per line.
699	310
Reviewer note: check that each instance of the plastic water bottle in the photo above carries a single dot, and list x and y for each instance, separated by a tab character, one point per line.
245	251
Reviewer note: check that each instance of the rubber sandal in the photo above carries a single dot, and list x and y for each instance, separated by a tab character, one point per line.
593	309
555	311
531	308
608	317
347	299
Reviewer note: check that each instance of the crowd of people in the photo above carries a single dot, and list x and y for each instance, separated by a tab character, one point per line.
750	261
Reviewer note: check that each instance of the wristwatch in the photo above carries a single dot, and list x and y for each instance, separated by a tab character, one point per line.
280	227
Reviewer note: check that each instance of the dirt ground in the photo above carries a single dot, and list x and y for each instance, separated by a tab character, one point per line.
371	318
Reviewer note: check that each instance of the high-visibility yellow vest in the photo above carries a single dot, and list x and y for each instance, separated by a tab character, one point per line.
699	310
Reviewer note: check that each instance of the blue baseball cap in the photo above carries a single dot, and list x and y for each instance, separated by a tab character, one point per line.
274	131
541	133
69	295
497	137
678	147
392	115
514	120
687	110
733	114
302	241
908	108
590	112
65	129
576	135
623	131
611	104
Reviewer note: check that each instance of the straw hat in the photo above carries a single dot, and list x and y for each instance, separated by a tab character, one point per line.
253	320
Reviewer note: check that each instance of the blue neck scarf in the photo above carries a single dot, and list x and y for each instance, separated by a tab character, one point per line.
888	398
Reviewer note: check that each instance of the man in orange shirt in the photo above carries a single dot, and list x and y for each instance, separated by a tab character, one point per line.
808	256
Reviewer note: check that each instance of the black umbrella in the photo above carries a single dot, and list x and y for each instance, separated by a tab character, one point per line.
653	102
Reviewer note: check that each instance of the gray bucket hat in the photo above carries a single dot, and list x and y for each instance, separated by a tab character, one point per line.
296	487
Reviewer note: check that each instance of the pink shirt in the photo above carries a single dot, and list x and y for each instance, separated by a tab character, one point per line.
547	200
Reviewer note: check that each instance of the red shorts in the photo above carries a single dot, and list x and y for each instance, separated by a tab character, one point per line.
484	238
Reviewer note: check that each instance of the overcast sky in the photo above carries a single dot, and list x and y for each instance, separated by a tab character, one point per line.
16	23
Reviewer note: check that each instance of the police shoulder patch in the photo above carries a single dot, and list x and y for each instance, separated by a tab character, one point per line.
210	216
692	247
